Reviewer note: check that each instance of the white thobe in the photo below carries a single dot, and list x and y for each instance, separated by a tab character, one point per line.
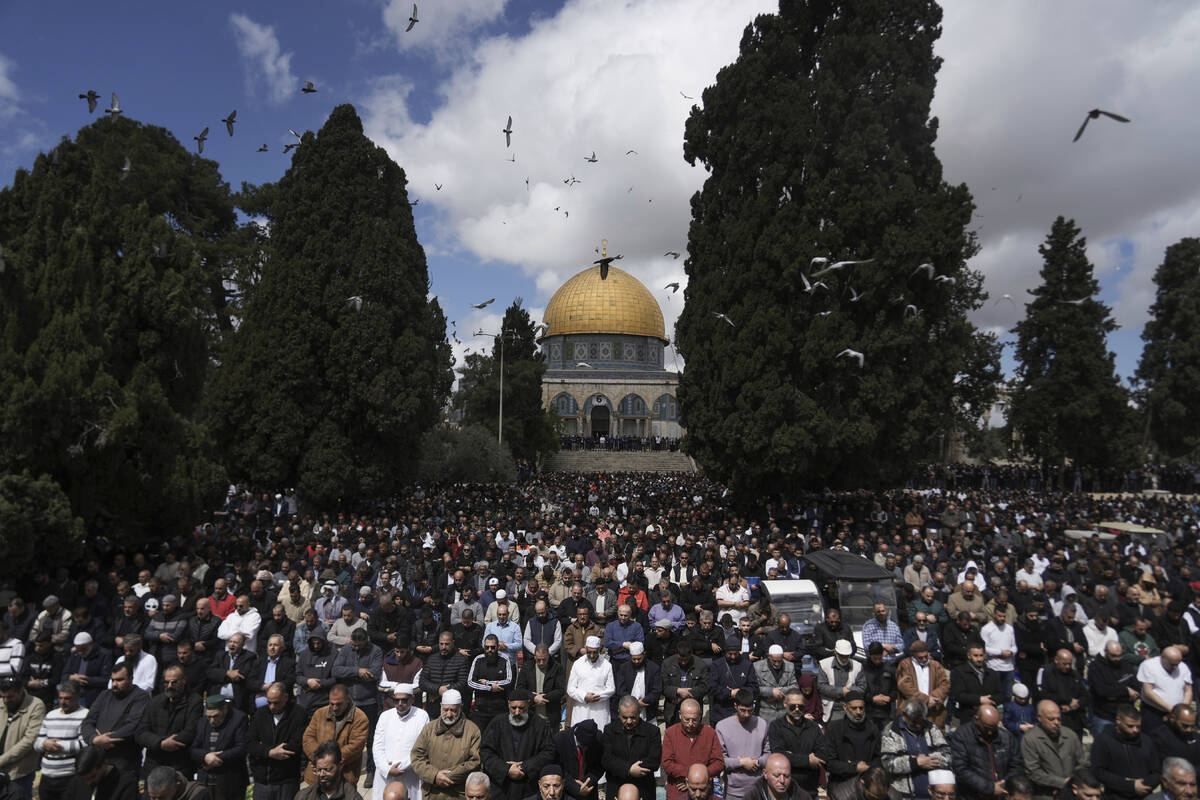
595	678
247	624
393	744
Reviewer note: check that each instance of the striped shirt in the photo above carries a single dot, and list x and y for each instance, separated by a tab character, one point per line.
64	728
12	658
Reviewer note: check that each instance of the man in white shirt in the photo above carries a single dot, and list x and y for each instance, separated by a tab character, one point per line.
144	666
244	620
395	734
591	685
1000	644
1030	575
733	599
1099	633
1166	682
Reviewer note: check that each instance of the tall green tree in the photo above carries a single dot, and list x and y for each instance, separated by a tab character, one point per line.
114	248
1067	402
340	363
1170	365
819	144
529	429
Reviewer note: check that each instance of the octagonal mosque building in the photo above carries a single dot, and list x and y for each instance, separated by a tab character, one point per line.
604	345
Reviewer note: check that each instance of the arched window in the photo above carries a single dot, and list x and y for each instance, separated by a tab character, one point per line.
666	408
632	405
565	406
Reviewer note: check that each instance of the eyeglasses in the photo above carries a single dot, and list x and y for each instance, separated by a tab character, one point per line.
795	706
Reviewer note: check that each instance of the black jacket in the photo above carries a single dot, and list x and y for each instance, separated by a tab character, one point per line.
121	717
118	784
496	749
623	677
1108	685
674	677
796	743
162	719
553	686
263	735
622	750
979	763
567	745
1062	689
244	662
955	642
319	666
285	673
438	671
842	750
481	674
873	681
231	778
1054	635
1118	762
967	688
826	640
1170	743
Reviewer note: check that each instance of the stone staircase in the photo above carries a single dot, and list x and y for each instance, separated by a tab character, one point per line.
619	461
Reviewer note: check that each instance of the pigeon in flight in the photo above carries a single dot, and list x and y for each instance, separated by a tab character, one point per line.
945	279
232	118
1007	297
287	148
583	365
507	131
911	311
200	140
484	304
848	353
308	88
1078	302
841	265
92	96
604	261
355	302
263	149
1095	114
686	96
412	21
673	286
125	170
592	158
719	315
854	296
114	107
540	329
672	253
824	313
437	186
927	268
293	133
811	287
631	152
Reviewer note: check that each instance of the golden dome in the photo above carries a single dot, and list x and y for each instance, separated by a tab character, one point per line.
618	304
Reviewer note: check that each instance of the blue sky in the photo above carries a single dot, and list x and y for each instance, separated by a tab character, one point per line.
605	76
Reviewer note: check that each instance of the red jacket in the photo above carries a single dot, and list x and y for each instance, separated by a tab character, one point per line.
679	753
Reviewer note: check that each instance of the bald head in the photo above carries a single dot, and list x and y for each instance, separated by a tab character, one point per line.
1171	656
697	776
628	792
1046	707
689	706
395	791
987	716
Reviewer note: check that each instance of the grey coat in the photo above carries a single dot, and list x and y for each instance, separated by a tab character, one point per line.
771	707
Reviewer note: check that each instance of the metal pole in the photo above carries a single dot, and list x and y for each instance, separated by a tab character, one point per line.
500	422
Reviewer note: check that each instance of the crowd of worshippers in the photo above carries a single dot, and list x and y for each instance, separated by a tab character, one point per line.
573	636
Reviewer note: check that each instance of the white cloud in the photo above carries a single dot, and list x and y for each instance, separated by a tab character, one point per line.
9	94
265	62
442	27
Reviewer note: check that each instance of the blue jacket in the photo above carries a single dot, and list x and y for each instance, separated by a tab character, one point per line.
615	634
725	679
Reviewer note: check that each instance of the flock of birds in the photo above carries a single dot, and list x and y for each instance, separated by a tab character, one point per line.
812	282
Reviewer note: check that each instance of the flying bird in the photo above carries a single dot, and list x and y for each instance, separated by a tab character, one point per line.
484	304
308	88
811	287
824	313
540	329
945	279
200	140
673	286
1095	114
583	365
437	186
854	296
527	184
287	148
232	118
672	253
92	96
686	96
293	133
1078	302
927	268
125	170
841	265
263	149
1007	297
604	261
848	353
911	311
355	302
631	152
592	158
507	131
412	21
114	107
719	315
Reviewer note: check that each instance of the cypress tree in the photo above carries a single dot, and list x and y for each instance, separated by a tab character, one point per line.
1170	364
340	363
1067	402
111	292
819	143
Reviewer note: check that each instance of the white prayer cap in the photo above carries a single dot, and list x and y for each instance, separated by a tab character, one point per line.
941	777
501	594
592	642
407	688
83	637
451	697
775	650
636	648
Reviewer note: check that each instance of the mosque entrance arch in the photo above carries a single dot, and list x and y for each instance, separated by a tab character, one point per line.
600	420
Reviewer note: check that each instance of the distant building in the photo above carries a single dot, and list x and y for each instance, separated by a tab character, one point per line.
604	345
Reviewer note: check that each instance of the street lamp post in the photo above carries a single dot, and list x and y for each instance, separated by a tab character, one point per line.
500	420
